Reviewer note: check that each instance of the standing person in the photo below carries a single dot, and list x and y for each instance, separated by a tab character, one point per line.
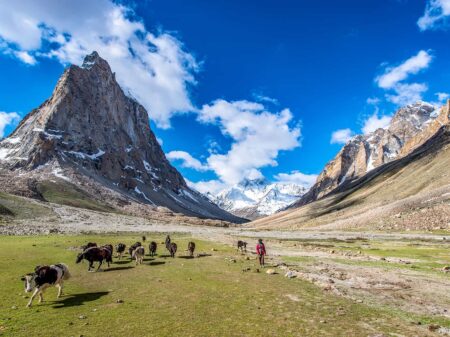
261	251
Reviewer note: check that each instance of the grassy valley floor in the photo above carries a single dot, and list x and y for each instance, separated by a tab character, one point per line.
217	295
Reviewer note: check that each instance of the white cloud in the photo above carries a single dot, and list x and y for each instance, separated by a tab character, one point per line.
7	118
373	100
262	98
442	96
154	67
258	136
187	160
213	146
407	93
209	186
341	136
393	79
393	75
25	57
435	16
374	122
296	177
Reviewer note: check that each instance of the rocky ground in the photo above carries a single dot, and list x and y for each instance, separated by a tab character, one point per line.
394	275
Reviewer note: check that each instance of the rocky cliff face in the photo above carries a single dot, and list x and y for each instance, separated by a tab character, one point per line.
256	198
410	127
89	129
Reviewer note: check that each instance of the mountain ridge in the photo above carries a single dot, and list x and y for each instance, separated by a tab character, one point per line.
408	193
410	127
90	134
255	198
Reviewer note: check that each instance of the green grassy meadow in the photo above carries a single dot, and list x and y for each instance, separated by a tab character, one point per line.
203	296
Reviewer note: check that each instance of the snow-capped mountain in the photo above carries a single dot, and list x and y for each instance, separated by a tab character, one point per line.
255	198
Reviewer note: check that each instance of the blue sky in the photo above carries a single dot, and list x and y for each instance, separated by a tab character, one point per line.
243	88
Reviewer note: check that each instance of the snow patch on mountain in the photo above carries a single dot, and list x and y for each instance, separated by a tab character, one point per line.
258	197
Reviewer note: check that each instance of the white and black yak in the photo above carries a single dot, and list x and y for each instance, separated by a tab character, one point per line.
44	277
138	255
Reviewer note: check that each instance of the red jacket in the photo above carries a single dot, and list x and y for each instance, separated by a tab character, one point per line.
260	249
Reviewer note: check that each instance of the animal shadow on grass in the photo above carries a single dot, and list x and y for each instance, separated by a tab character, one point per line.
119	268
79	299
185	257
156	263
122	262
164	256
203	255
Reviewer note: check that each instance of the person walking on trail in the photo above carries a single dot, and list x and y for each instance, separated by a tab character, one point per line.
261	251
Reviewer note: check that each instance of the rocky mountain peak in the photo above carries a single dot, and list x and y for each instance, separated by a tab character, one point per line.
91	127
94	59
254	198
410	127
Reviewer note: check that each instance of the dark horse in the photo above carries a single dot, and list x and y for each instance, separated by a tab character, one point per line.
171	246
191	248
152	248
95	254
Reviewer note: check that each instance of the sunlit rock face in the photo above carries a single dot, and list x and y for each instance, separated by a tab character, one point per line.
409	128
89	126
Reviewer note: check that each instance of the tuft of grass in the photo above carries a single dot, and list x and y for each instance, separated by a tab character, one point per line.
203	296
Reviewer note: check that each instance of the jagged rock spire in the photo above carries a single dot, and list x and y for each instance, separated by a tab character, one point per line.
91	126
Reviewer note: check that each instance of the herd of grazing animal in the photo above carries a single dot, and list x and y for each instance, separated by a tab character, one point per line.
54	275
